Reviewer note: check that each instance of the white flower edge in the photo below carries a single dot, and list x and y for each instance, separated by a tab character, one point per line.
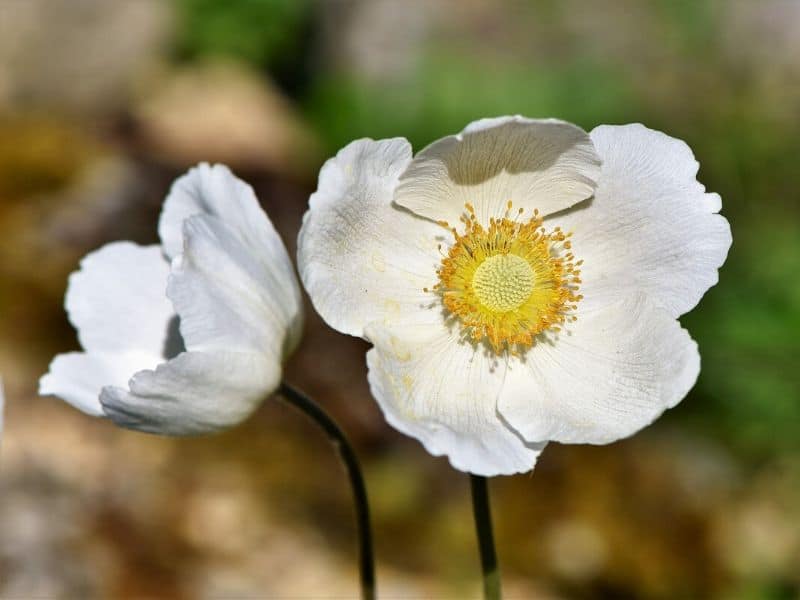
651	227
437	388
356	259
238	303
117	303
608	375
543	164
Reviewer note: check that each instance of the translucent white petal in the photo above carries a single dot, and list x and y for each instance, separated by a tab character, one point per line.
231	296
78	377
214	190
443	392
117	302
117	299
547	165
249	236
650	227
614	372
361	258
196	392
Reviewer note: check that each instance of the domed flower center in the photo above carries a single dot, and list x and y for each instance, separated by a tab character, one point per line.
510	281
503	282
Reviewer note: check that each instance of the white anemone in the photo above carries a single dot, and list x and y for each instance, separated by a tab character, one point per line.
189	336
516	291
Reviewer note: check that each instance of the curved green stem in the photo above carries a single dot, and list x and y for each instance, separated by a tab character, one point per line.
314	411
483	528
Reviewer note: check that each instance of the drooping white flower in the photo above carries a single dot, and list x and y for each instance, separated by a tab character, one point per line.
516	291
188	336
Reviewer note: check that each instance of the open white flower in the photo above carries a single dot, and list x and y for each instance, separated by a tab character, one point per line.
189	336
515	291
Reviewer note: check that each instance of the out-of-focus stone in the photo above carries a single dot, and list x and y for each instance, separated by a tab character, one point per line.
774	20
80	55
576	550
223	504
224	112
380	40
39	155
758	533
44	232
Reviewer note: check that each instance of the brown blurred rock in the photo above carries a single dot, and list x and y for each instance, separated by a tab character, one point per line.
39	155
80	55
224	112
379	40
62	193
43	234
758	533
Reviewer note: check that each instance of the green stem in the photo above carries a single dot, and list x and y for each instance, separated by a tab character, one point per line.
314	411
483	528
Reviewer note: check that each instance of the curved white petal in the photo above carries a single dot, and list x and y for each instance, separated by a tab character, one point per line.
217	193
78	377
443	392
361	258
125	322
238	319
231	296
117	301
195	392
651	226
547	165
614	372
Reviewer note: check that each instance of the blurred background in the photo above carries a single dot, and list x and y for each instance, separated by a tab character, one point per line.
103	103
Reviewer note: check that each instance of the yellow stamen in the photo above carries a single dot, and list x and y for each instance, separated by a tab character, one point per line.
510	281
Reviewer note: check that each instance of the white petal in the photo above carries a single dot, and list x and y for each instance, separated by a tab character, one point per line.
615	372
196	392
361	258
79	377
547	165
214	190
118	304
231	296
117	299
443	392
217	193
650	227
239	317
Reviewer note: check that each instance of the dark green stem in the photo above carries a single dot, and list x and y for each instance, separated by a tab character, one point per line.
483	528
366	560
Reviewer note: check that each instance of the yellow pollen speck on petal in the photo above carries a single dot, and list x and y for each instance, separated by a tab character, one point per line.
509	281
378	262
